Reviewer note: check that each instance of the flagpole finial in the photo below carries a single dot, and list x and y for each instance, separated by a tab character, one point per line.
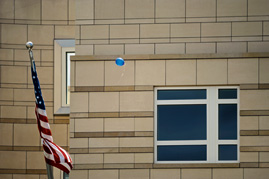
29	45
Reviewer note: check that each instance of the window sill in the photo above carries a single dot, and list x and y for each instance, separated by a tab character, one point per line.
200	165
63	111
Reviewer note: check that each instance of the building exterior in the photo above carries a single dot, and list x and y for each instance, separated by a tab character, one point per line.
191	100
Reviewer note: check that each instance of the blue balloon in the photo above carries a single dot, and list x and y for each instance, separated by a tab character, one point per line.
119	61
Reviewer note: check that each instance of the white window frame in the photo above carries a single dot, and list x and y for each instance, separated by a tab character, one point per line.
60	49
212	142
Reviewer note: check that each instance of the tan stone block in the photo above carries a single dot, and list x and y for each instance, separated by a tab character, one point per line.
54	10
266	28
264	157
84	9
154	76
117	76
200	48
72	10
196	173
79	143
228	173
242	71
89	125
185	30
134	174
15	112
172	8
258	46
254	100
154	30
6	94
165	173
13	34
29	9
84	49
104	102
254	141
139	9
258	7
246	28
107	9
79	174
95	32
60	134
136	142
181	72
232	47
13	159
47	56
144	158
89	73
139	49
119	158
24	95
119	124
216	29
257	173
101	174
196	8
249	156
212	71
26	135
103	142
35	160
231	8
6	176
6	134
5	9
124	31
143	124
65	31
249	123
79	102
136	101
41	34
263	70
170	48
6	54
108	49
9	74
263	122
88	158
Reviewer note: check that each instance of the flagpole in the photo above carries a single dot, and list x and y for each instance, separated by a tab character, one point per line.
29	46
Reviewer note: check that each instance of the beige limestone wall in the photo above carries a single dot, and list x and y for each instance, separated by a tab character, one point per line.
112	113
113	27
39	21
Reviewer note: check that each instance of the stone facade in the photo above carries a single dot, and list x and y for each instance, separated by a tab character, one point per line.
110	130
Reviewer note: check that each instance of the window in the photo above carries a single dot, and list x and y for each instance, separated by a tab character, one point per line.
64	49
197	125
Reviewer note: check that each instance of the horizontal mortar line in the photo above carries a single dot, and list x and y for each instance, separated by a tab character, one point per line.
182	17
22	171
170	57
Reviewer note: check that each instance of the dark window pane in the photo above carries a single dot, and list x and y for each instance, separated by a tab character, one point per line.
227	121
181	122
181	153
227	152
181	94
227	93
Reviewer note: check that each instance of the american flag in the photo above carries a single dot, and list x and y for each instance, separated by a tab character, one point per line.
54	154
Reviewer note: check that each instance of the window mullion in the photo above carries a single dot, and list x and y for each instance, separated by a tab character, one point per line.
213	125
